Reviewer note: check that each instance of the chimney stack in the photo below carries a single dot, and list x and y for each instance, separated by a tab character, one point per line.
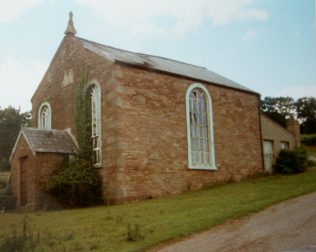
293	126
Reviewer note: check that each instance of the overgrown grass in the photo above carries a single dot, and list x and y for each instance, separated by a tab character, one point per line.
107	228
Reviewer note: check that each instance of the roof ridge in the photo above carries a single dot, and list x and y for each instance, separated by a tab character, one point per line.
42	129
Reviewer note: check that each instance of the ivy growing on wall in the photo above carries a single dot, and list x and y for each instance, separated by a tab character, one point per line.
83	118
76	182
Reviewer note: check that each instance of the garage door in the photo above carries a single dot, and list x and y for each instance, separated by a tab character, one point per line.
268	155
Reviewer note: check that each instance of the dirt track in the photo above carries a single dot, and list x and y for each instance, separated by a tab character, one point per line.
288	226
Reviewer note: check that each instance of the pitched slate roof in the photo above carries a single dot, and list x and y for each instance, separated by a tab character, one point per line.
50	141
160	64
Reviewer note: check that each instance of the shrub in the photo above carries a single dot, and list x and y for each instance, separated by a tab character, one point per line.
291	161
75	183
7	201
309	139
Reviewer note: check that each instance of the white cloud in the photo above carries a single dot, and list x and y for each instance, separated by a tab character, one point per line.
185	16
250	34
19	80
10	10
298	91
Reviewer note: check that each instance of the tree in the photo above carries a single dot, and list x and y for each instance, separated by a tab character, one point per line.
306	112
11	121
279	109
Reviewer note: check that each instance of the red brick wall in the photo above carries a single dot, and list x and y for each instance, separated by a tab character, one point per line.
37	169
46	163
152	135
144	143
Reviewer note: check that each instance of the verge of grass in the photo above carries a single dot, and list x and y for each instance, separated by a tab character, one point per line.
105	228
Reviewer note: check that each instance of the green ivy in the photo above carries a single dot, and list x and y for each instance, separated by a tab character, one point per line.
76	182
83	118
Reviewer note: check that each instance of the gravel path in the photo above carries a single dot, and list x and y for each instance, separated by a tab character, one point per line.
288	226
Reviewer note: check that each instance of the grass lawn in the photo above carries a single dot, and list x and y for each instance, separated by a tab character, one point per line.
105	228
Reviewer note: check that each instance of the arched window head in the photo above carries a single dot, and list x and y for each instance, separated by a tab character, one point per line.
95	97
45	116
201	154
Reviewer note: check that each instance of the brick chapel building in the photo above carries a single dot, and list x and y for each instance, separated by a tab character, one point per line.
159	126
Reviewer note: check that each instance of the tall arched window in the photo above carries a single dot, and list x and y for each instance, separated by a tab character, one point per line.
201	154
45	116
95	95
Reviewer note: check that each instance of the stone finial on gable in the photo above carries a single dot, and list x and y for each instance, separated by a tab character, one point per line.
70	30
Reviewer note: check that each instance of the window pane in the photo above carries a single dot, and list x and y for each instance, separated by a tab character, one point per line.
197	157
201	132
195	106
207	157
200	106
204	120
204	132
200	119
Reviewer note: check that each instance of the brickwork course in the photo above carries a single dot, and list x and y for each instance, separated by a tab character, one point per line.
143	122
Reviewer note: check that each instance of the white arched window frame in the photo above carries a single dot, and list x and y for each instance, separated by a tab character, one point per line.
201	150
95	95
45	116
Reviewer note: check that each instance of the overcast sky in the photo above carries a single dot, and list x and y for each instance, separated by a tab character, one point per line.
268	46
